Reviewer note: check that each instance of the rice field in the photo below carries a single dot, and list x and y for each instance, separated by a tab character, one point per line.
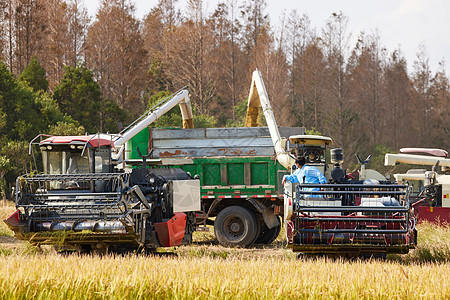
206	270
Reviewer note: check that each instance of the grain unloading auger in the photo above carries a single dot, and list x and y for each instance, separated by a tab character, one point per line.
84	200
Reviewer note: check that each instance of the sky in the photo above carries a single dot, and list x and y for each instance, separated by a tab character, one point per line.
403	24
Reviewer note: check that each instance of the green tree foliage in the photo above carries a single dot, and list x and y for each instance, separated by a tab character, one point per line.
5	166
313	131
51	113
112	114
204	121
65	128
79	96
16	162
24	114
78	90
159	80
20	114
35	76
172	118
240	111
17	153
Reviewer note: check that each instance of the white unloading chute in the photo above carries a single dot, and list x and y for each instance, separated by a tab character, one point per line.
257	98
181	98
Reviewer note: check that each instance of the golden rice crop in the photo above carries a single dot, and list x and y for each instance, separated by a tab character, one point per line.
54	276
433	244
206	270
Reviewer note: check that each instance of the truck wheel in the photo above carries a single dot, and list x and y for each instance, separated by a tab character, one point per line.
267	236
236	226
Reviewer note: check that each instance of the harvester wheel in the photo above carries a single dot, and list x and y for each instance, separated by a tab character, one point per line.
267	236
236	226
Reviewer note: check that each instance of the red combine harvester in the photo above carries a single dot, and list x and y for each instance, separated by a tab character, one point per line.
85	200
346	217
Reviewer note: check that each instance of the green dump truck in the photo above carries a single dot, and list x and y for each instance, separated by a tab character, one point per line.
240	177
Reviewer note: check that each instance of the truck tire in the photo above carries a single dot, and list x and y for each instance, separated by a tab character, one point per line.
267	236
236	226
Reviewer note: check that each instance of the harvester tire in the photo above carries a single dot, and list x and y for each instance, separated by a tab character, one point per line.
267	236
236	226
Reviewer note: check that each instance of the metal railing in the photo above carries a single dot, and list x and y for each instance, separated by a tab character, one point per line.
352	217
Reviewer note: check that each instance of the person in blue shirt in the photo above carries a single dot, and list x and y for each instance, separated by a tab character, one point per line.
305	174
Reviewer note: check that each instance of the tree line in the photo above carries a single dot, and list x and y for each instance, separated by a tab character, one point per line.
72	72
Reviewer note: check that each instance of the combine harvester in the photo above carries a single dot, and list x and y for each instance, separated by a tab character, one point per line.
85	201
346	217
240	172
96	193
432	188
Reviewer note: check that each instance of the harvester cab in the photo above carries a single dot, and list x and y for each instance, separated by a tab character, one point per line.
313	149
76	155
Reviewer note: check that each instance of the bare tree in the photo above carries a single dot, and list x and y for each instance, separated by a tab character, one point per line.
254	20
51	47
271	61
9	27
116	53
78	23
24	17
398	92
422	84
190	57
231	70
305	67
312	87
342	119
158	28
440	111
366	71
3	29
162	19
